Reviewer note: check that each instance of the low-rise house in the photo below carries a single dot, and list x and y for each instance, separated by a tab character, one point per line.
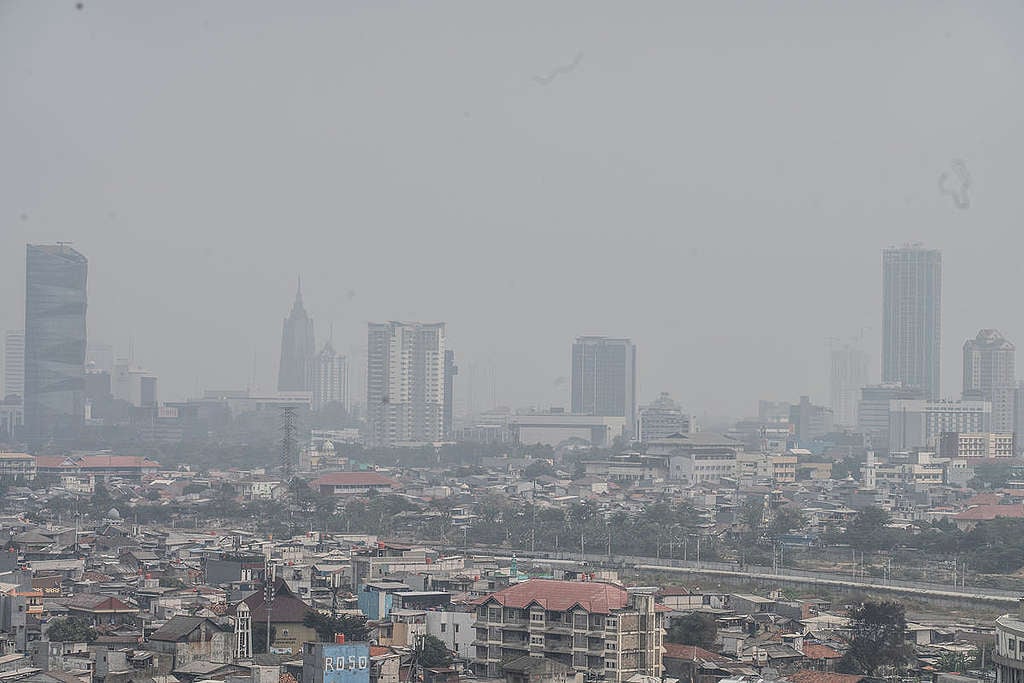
189	639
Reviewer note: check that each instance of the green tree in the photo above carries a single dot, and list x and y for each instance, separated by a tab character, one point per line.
787	518
868	532
693	629
352	626
71	630
878	638
538	468
432	653
259	637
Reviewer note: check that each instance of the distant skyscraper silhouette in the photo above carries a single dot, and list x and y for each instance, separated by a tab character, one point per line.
849	375
604	378
298	348
14	364
989	375
405	381
330	378
55	303
911	324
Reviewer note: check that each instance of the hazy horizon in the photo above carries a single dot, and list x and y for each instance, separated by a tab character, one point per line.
715	181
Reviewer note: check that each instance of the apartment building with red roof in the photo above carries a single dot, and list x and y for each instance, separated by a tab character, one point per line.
599	628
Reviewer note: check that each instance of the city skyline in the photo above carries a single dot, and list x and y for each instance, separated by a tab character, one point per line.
525	193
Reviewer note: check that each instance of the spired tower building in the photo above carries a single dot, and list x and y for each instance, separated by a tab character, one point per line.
298	349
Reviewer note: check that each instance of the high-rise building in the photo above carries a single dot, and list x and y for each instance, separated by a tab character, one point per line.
989	375
405	381
450	370
330	378
604	378
911	325
810	421
849	374
14	364
873	410
55	303
661	418
130	383
920	424
298	348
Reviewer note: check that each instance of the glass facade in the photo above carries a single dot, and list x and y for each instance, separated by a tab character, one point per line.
55	303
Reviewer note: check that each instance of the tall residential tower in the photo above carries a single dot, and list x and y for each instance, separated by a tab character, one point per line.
405	381
55	302
989	375
849	375
911	325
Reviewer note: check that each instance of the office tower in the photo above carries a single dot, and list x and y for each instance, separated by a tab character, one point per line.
989	375
661	418
297	348
330	378
810	421
129	383
405	381
450	370
873	411
55	302
911	326
604	378
849	374
920	424
14	364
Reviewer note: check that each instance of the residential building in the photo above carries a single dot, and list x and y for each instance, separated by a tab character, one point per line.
604	378
454	629
849	374
975	445
990	375
297	348
14	364
286	614
189	639
448	417
911	324
405	382
919	424
329	382
1009	651
810	421
17	466
602	629
663	417
55	302
873	410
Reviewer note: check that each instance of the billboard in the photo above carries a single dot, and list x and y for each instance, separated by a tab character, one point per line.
345	663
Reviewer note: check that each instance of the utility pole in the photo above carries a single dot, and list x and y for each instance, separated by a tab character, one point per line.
268	597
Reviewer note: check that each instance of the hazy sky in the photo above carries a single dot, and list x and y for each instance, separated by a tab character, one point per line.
715	180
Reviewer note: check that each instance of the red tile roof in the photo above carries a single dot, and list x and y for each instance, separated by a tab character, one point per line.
355	479
119	461
805	676
594	596
818	651
987	512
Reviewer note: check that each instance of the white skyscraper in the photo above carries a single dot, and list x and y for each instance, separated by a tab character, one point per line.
405	381
849	375
14	364
330	378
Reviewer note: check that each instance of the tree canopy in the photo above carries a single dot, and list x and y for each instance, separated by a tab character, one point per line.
878	638
693	629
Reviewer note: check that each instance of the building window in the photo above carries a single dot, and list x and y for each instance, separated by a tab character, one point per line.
608	664
537	617
444	627
537	640
456	628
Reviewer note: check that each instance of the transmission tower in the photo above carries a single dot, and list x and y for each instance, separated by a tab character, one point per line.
288	442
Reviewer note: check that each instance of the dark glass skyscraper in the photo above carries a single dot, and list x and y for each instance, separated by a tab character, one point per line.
911	324
604	378
55	303
298	349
